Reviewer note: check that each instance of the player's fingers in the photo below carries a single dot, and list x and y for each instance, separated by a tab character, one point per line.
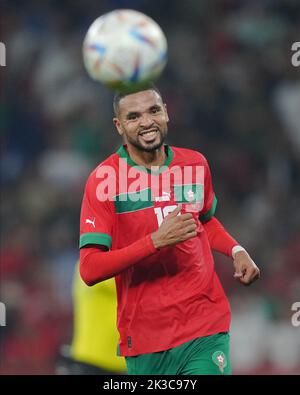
189	235
175	212
249	276
256	274
190	228
186	216
189	222
238	275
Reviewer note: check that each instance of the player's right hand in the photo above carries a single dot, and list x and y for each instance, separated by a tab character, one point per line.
174	229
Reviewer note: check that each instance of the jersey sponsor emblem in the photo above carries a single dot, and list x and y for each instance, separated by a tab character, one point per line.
220	360
193	206
190	195
89	221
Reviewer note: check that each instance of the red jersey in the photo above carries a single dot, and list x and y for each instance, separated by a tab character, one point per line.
174	295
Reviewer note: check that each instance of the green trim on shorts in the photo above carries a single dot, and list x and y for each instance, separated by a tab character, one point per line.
208	355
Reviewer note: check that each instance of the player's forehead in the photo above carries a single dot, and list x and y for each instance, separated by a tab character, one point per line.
140	101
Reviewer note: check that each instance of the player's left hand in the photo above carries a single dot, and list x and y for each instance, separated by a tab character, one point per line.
246	271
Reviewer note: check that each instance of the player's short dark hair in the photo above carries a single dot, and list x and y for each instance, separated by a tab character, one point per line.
120	95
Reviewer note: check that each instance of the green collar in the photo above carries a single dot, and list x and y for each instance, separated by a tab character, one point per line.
124	155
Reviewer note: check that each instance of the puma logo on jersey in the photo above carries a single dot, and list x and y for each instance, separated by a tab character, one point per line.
89	221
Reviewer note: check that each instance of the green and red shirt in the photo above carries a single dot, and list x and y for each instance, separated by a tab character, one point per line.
174	295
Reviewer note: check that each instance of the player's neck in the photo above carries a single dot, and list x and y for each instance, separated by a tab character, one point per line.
147	159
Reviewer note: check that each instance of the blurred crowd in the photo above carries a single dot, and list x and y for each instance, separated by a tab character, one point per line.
232	93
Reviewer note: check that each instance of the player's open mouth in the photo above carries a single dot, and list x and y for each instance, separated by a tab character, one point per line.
149	135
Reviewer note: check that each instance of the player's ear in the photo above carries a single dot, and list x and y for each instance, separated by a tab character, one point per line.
117	124
166	112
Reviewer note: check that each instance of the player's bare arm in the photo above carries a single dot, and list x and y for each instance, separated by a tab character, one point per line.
174	229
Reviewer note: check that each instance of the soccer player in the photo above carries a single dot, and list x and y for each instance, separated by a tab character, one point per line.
147	219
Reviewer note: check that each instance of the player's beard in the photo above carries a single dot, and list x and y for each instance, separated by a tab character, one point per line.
152	146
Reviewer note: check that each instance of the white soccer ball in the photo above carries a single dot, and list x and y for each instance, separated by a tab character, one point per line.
124	49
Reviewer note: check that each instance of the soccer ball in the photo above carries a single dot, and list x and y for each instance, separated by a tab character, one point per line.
124	49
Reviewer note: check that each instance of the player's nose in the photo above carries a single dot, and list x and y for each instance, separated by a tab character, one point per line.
146	121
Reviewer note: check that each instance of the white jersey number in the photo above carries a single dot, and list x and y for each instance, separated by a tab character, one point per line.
161	213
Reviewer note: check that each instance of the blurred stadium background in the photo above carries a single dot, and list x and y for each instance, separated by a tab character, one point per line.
232	93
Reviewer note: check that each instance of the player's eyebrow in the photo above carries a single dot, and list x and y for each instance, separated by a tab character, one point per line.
155	107
132	114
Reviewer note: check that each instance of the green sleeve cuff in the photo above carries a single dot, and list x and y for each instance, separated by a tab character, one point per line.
210	213
95	238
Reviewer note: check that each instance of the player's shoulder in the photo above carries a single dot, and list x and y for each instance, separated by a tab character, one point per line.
187	155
